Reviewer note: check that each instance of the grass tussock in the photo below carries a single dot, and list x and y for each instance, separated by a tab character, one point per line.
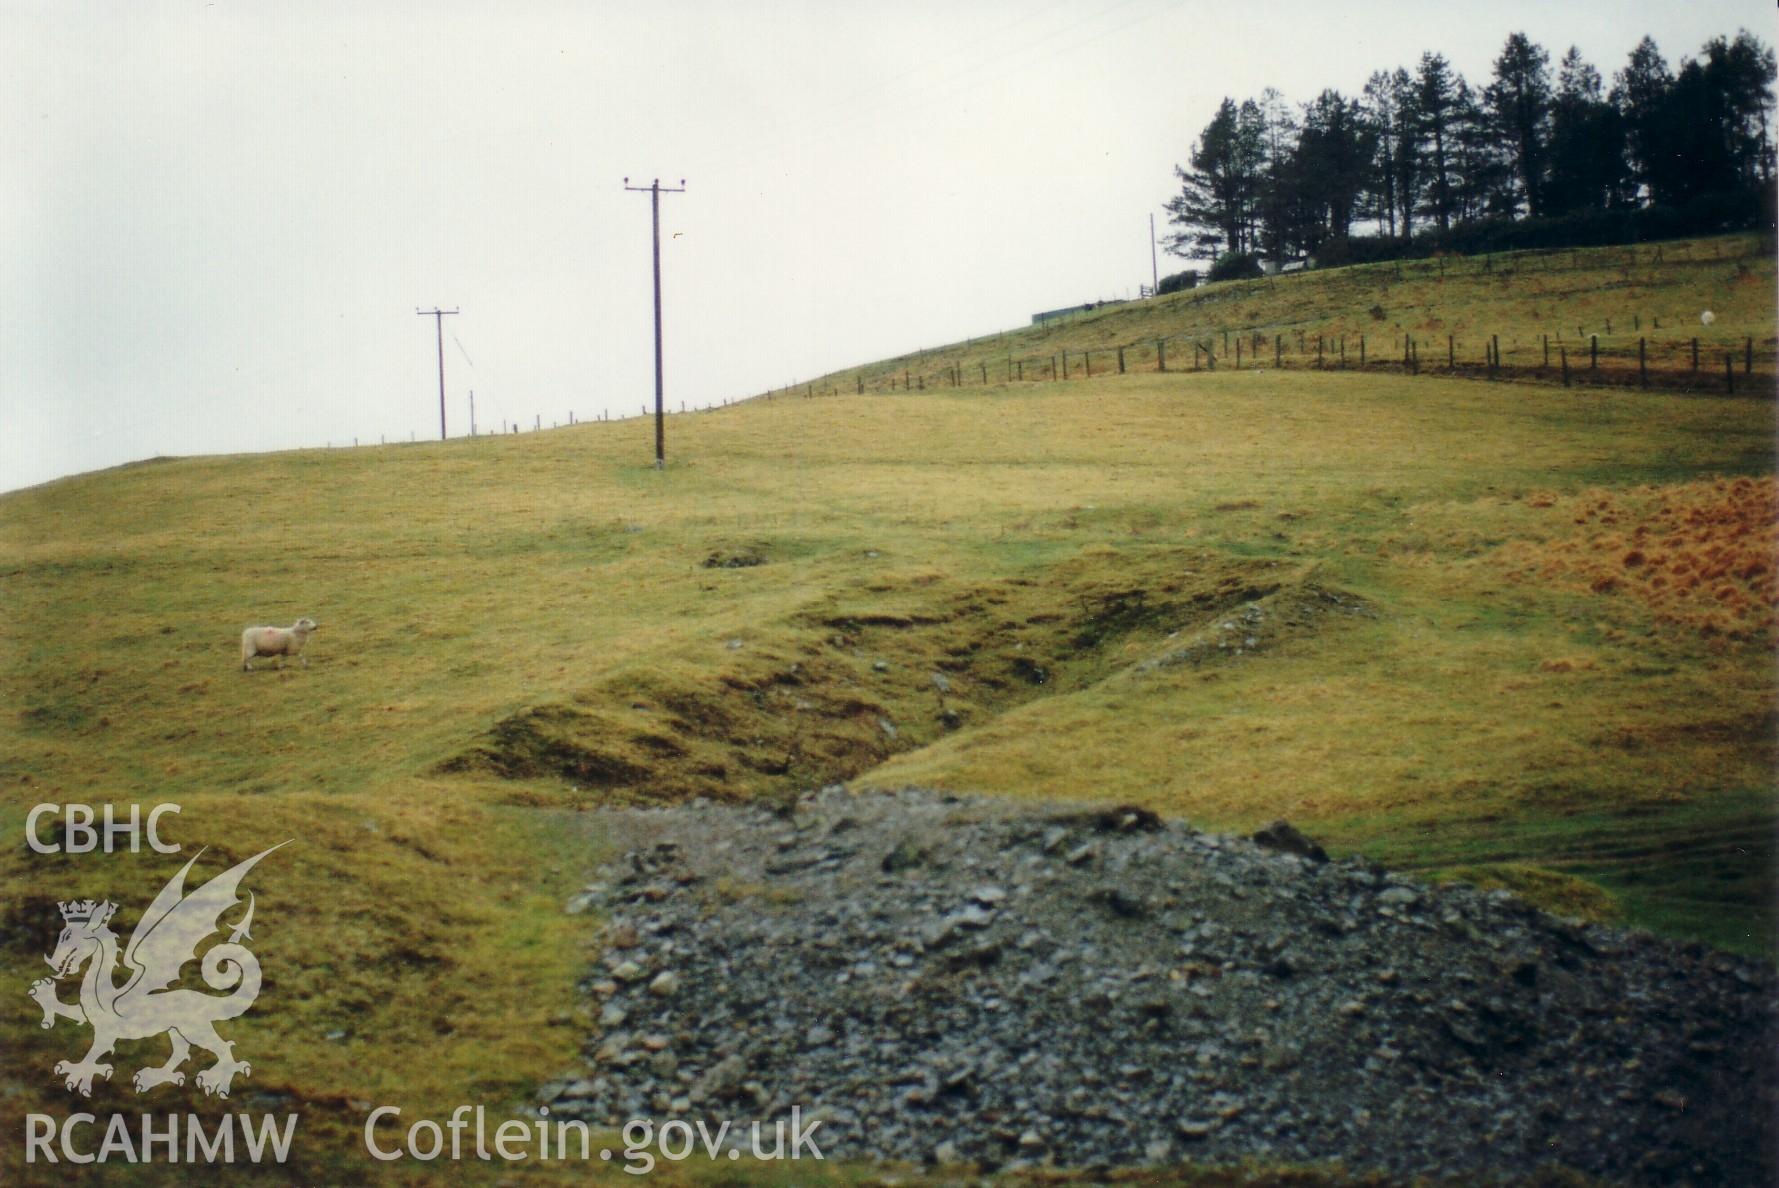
1699	554
1553	891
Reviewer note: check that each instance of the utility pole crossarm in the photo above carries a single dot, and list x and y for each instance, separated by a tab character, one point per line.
438	317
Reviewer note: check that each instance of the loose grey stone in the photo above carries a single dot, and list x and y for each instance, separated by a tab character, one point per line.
1005	984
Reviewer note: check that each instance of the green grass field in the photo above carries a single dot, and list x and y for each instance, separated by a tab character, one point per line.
1457	668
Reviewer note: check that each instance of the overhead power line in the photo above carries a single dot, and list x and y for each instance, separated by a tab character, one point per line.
461	351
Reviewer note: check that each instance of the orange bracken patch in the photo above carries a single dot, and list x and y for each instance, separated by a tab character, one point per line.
1700	554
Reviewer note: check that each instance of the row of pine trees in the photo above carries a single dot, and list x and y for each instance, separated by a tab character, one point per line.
1423	151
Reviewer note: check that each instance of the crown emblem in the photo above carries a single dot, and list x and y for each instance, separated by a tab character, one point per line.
83	911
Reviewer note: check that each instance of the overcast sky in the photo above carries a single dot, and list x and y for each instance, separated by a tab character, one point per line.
218	219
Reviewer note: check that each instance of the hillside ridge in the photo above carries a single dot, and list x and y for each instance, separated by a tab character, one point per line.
1618	316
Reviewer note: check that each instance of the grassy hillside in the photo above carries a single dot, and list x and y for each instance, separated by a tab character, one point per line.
1517	634
1595	304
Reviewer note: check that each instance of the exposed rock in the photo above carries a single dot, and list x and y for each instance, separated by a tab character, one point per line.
1397	896
983	982
1284	837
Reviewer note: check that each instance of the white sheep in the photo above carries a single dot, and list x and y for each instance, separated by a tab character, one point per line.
275	641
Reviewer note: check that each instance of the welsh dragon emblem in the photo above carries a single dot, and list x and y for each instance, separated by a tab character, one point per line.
149	1001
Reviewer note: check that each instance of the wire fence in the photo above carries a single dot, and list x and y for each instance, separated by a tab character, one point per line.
1639	346
1695	364
1636	346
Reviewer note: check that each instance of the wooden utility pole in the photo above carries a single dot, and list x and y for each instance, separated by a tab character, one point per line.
654	191
1154	268
438	317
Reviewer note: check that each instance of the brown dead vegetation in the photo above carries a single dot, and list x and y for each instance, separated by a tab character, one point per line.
1701	555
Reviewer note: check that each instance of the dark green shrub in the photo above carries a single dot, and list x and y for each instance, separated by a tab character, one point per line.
1178	281
1235	266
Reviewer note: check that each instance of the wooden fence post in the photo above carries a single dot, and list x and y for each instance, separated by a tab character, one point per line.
1161	354
1120	360
1593	352
1238	348
1729	372
1642	365
1318	352
1564	352
1277	355
1547	350
1695	354
985	375
1087	363
1748	358
1343	352
1362	337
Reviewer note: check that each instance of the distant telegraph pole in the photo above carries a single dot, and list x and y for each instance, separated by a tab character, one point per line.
1154	267
654	191
438	317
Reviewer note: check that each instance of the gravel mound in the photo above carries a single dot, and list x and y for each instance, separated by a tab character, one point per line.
963	980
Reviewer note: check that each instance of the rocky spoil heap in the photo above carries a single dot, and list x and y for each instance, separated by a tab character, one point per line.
952	979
